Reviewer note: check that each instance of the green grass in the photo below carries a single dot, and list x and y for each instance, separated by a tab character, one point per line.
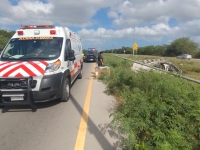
155	111
190	68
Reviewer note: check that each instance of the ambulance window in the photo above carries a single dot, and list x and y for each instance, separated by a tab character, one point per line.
68	45
12	48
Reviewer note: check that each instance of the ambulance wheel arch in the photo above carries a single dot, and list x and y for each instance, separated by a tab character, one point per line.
65	90
65	86
81	72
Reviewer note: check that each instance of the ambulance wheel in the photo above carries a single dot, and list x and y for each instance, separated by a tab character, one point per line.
80	74
65	91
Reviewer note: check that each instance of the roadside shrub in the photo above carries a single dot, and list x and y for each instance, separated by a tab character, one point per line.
197	54
157	111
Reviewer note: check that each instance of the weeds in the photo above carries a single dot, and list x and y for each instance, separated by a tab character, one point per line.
157	111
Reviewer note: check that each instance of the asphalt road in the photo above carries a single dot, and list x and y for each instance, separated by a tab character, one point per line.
79	124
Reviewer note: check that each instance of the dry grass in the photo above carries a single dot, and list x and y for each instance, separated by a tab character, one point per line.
190	68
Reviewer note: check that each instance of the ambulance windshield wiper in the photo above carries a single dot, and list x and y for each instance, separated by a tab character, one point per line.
7	55
29	58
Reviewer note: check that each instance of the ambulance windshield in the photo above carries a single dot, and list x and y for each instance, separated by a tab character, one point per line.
91	52
33	48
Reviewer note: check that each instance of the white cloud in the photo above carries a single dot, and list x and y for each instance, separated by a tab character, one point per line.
126	3
146	33
156	12
112	14
35	7
149	17
69	13
79	12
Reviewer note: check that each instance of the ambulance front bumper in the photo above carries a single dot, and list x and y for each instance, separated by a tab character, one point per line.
18	91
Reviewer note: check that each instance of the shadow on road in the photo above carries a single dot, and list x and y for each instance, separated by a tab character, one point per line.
92	127
100	130
27	108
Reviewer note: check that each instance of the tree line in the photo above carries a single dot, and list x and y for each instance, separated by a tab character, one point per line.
5	37
179	46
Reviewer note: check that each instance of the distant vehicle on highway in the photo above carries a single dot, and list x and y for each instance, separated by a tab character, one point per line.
184	56
91	55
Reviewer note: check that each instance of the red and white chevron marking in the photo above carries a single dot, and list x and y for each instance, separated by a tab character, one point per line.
76	67
22	69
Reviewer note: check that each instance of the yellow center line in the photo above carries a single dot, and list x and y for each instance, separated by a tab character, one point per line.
80	140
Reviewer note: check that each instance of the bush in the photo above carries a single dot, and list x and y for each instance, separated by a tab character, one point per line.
197	54
157	111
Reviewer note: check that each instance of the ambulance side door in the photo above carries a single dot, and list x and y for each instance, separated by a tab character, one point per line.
69	64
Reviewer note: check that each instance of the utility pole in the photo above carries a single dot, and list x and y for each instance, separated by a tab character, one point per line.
133	36
100	38
113	47
112	50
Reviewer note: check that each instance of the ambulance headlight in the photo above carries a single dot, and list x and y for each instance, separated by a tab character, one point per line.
51	67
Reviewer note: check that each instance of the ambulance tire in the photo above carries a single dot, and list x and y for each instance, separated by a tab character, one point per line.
80	74
65	91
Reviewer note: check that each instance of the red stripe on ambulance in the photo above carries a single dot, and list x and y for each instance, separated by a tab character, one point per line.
4	63
75	65
37	67
19	75
44	63
10	64
22	66
21	69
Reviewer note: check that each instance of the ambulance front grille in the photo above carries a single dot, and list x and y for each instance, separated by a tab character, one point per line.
91	56
16	84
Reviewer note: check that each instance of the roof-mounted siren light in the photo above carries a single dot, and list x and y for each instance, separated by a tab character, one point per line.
36	32
30	26
20	32
52	31
37	26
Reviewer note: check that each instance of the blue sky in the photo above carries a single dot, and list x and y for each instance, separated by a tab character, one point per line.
110	24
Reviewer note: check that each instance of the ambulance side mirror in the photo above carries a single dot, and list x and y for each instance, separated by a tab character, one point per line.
70	55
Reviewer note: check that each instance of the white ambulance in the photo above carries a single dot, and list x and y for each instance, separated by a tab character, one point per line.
39	64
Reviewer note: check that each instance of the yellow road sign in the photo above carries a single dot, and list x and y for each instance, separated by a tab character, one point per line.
135	46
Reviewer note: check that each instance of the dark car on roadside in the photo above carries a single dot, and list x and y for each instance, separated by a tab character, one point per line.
90	55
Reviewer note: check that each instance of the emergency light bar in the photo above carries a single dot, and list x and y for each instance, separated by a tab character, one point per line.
37	27
20	32
52	31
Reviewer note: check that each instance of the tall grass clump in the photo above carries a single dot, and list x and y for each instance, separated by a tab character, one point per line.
157	111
